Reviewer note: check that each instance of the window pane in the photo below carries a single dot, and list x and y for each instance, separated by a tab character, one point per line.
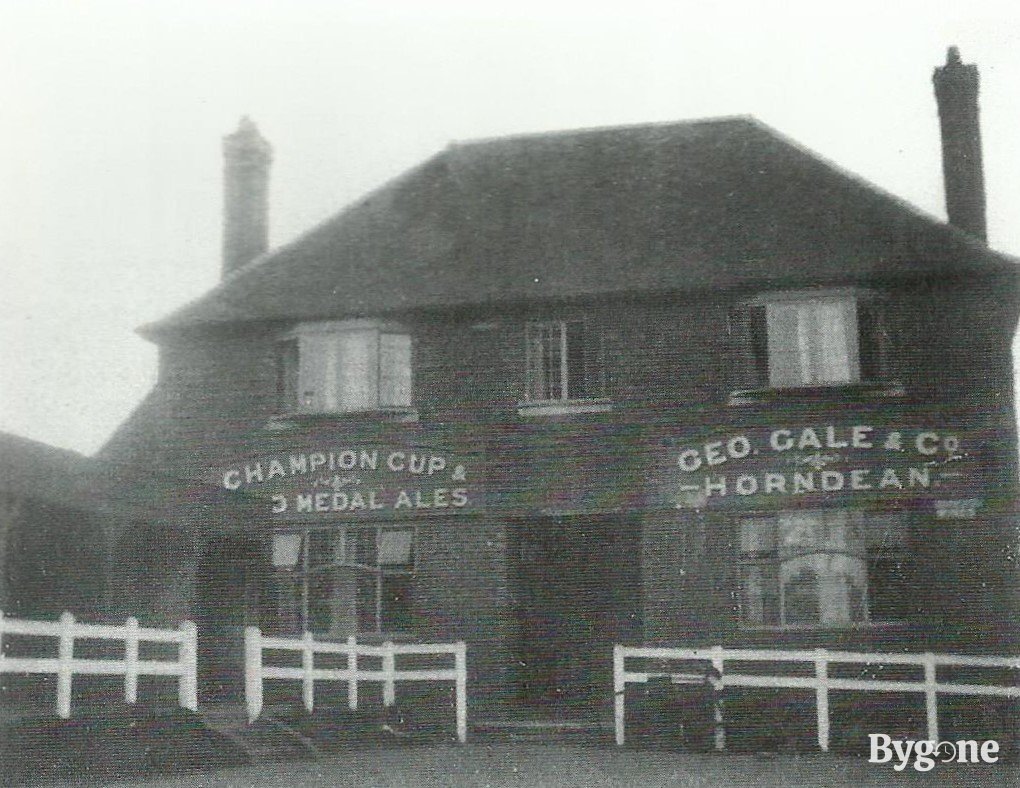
798	532
363	546
358	370
757	328
829	341
395	547
317	378
785	361
394	370
812	342
892	587
799	593
286	550
544	356
577	387
761	595
287	367
832	567
868	341
289	589
758	536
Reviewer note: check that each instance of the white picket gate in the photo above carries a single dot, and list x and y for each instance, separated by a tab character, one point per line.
65	665
822	682
257	672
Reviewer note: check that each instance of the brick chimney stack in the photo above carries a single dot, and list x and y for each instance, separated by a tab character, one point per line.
246	160
956	90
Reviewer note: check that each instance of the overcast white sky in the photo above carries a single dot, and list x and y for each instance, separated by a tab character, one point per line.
112	114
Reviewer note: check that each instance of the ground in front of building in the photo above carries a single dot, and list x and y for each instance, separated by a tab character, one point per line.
515	764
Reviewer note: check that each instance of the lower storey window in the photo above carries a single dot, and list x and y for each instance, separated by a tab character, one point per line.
344	580
824	568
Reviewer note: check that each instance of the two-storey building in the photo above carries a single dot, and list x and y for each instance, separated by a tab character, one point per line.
682	382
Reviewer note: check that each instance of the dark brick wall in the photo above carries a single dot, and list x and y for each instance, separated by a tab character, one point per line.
55	560
669	362
461	592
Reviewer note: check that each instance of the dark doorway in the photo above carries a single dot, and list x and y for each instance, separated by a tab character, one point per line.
576	584
229	582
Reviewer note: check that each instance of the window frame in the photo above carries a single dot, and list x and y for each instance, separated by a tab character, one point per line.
903	550
593	373
295	351
870	353
295	583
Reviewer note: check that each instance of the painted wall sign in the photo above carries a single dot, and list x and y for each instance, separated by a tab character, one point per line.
357	481
822	460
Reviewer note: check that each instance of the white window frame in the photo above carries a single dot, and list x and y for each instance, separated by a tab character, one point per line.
320	386
771	564
566	401
295	580
820	358
809	352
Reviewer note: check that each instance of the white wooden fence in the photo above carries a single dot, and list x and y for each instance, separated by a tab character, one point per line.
822	682
65	665
256	671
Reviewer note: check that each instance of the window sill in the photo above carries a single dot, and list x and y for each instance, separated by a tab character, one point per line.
285	421
836	392
563	407
378	638
862	626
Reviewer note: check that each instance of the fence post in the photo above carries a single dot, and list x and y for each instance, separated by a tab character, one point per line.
1	636
718	660
253	672
461	694
389	667
352	673
187	655
65	665
131	660
619	688
307	666
931	696
822	697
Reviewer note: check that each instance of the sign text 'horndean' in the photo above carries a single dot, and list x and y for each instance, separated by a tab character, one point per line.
815	459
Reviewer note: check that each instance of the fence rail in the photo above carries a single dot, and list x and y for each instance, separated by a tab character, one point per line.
257	672
65	665
821	682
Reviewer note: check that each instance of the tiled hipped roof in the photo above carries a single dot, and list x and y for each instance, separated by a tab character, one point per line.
651	208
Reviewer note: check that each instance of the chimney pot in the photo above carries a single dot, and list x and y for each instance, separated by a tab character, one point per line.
246	160
956	91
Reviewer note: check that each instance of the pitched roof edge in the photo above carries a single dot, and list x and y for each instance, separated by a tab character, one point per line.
152	330
919	214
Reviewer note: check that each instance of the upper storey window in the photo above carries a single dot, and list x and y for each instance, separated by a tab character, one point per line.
803	339
556	360
563	369
346	367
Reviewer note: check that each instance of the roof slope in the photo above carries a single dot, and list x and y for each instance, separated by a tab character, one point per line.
663	207
50	474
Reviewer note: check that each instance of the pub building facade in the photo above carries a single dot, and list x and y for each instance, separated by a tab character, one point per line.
683	383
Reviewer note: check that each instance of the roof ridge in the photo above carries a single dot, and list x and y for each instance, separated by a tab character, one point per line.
530	135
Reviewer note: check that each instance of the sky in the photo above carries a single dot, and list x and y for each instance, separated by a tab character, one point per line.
112	116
